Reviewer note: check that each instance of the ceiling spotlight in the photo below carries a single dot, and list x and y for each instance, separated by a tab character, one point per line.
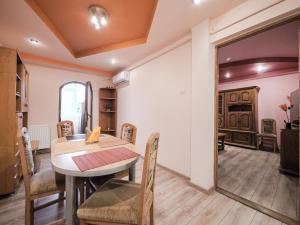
261	68
228	59
228	75
113	61
98	16
196	2
34	41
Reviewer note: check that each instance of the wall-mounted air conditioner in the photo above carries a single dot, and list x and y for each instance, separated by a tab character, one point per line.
120	78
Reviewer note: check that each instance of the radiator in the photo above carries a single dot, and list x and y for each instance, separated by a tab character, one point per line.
41	133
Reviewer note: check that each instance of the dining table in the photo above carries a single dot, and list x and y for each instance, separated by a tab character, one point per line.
62	151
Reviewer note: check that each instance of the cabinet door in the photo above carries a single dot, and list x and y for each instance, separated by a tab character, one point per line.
245	121
242	138
245	96
221	104
232	97
232	120
220	121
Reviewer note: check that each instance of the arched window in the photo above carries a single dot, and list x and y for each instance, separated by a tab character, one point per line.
75	104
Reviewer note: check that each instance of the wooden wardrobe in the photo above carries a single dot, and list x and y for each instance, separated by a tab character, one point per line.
13	116
237	116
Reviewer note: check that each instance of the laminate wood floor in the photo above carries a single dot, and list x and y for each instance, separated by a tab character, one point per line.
254	175
176	203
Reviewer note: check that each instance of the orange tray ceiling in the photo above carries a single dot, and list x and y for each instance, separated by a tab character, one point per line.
129	23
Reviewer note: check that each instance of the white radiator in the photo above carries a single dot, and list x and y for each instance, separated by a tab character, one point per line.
41	133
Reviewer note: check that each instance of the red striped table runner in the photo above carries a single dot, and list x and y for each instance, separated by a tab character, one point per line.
102	158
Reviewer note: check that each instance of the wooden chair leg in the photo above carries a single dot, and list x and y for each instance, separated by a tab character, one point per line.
152	215
81	193
28	219
32	212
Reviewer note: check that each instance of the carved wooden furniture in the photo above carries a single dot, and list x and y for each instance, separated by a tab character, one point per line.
38	186
128	133
13	116
108	110
121	202
268	135
221	141
289	151
237	116
65	128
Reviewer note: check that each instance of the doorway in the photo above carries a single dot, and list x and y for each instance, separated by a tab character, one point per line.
76	105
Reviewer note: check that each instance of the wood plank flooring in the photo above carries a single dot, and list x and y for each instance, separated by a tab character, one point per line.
176	203
254	175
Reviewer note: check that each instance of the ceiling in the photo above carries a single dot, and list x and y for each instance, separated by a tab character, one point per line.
65	20
173	19
275	49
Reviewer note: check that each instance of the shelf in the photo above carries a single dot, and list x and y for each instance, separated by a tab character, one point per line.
18	94
108	98
107	111
108	130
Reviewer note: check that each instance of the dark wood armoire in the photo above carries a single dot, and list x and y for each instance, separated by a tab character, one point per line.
237	116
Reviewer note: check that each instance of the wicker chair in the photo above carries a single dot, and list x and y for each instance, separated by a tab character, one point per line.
120	202
65	128
39	185
268	134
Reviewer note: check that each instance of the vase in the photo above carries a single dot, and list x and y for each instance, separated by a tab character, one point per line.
288	126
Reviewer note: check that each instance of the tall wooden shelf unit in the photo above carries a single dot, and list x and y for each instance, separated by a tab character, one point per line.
238	116
13	116
108	110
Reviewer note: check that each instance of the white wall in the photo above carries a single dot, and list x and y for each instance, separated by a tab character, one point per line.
202	135
159	99
272	93
44	83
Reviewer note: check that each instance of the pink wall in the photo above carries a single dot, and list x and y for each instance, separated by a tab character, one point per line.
273	92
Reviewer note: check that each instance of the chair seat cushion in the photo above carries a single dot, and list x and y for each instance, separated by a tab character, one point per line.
44	181
115	202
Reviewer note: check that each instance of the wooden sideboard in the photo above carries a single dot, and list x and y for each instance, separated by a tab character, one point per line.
13	116
237	116
289	151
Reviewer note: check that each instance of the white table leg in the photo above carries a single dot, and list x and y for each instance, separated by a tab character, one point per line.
70	200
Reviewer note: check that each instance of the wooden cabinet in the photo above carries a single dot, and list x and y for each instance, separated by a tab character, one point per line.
13	116
289	151
108	110
240	116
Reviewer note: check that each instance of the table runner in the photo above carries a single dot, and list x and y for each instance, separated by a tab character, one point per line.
102	158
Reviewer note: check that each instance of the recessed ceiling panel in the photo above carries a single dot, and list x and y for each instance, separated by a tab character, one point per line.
129	23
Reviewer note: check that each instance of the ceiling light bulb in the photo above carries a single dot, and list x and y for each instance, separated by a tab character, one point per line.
227	75
261	68
113	61
103	21
97	27
196	2
34	41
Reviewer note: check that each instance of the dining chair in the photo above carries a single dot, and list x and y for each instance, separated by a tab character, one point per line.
120	202
268	134
65	128
38	185
128	133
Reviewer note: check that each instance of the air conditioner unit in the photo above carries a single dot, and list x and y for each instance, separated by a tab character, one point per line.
120	78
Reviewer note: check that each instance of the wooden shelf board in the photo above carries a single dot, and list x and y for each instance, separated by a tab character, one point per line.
108	130
107	111
18	77
18	94
108	98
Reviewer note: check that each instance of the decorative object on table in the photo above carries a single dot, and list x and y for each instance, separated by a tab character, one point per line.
94	136
286	108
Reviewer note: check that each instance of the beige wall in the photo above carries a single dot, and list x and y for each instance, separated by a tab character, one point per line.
158	99
44	83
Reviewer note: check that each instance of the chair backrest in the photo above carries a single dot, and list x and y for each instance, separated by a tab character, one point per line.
128	132
148	178
268	126
26	175
65	128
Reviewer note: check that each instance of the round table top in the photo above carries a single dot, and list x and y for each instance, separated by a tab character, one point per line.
62	152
